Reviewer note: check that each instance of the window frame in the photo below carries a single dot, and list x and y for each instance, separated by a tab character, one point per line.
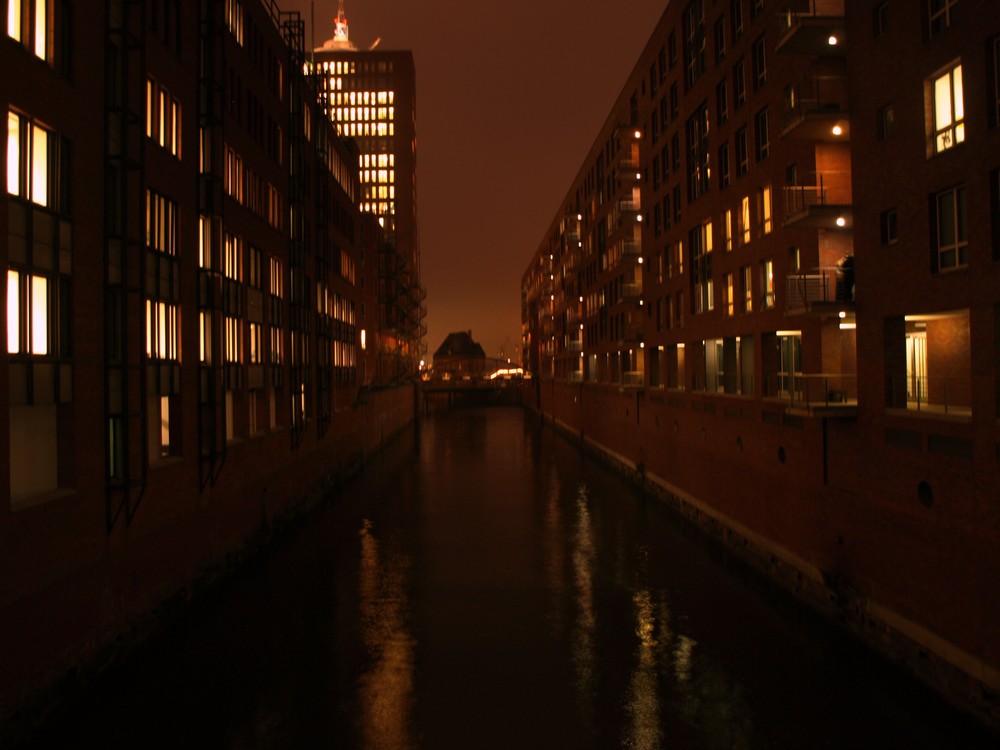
950	253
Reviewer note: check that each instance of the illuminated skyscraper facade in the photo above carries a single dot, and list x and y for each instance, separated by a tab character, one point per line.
370	95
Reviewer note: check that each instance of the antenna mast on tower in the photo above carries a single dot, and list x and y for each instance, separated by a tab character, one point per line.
340	33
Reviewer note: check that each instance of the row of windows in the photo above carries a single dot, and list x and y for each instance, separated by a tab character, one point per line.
366	99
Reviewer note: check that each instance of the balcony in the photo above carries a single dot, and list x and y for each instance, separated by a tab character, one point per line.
816	110
825	291
631	333
631	291
632	379
817	394
812	27
825	205
938	396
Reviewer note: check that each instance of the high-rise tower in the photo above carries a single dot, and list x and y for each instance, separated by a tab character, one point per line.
370	95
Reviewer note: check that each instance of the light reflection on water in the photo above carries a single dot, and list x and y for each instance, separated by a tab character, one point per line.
492	588
644	698
386	688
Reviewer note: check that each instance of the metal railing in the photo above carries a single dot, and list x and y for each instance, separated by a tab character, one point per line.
813	390
632	378
791	16
821	285
717	382
826	192
952	396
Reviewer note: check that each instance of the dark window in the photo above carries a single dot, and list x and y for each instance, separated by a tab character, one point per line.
993	87
884	124
940	12
663	64
674	102
698	165
759	62
737	19
742	160
995	211
720	39
721	103
739	84
948	218
694	42
675	149
677	204
672	49
724	165
880	19
756	7
665	162
889	227
761	144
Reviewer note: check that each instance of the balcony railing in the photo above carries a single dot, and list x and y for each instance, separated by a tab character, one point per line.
949	396
632	291
717	382
812	27
826	204
632	378
811	391
817	110
822	286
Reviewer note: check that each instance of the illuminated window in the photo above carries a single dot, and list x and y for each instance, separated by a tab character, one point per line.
163	118
162	330
255	336
701	267
161	223
32	156
234	19
232	261
29	328
234	340
727	230
730	296
747	279
28	22
767	283
950	224
745	219
940	14
949	109
764	209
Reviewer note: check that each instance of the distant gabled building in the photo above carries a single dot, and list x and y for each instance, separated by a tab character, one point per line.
459	356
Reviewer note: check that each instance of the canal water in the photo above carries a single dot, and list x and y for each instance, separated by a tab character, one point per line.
484	584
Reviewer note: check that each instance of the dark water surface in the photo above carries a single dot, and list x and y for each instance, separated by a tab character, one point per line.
484	585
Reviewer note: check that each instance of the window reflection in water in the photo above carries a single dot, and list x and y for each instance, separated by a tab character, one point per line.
386	690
